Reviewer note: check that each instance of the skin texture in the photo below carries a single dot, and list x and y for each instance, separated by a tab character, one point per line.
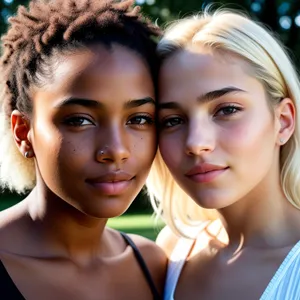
240	133
60	227
125	135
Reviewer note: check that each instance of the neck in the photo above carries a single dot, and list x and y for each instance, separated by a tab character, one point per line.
62	229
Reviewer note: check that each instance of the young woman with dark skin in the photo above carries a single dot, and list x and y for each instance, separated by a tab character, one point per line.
78	130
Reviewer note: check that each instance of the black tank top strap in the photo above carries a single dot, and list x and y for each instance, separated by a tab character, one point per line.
142	263
8	289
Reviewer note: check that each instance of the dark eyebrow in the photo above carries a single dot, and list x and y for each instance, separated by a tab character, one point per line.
79	101
169	105
210	96
213	95
97	104
139	102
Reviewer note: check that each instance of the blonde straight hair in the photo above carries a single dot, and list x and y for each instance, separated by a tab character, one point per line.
235	33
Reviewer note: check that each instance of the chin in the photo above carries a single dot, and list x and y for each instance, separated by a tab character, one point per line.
212	200
107	210
112	212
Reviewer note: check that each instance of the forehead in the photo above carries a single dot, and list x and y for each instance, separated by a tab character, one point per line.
112	75
200	69
95	61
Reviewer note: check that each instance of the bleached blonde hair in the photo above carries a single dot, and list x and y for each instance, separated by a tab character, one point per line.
235	33
16	172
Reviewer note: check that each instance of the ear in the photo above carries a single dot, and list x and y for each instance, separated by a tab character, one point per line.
21	127
285	112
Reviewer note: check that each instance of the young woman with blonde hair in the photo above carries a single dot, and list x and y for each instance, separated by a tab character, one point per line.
226	178
78	133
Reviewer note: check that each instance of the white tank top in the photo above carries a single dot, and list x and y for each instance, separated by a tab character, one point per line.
285	284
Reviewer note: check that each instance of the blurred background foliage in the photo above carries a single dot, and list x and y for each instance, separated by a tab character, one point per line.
282	16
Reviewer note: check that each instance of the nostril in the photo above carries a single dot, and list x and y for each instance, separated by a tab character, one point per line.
107	159
112	154
198	149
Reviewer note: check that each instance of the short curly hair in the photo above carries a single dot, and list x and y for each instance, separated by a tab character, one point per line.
45	29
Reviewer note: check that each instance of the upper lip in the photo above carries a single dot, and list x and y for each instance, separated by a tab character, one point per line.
111	177
204	168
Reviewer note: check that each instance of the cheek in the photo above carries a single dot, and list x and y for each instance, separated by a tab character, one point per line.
249	141
143	148
59	155
47	150
47	143
74	155
78	145
47	139
172	151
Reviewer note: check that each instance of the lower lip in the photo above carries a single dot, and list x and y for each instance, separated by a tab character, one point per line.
111	188
206	177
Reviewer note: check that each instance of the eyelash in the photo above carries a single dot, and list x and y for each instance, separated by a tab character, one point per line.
148	118
70	121
216	114
231	106
169	120
80	119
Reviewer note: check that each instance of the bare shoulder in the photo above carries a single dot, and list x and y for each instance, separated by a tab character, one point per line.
11	229
167	240
154	257
150	250
6	226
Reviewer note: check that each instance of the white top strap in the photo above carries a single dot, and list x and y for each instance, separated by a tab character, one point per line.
176	263
285	284
178	258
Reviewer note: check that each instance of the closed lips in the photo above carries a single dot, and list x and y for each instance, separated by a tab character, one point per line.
204	168
111	177
112	184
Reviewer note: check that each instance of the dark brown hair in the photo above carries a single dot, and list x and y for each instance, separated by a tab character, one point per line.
47	28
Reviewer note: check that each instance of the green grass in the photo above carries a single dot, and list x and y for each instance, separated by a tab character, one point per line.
141	224
144	225
8	200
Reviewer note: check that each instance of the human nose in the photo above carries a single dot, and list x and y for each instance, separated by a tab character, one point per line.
115	149
200	138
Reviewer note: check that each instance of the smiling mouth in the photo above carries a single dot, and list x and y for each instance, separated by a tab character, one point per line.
208	176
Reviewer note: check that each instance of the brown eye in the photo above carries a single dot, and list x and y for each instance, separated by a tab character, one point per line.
171	122
141	120
78	121
228	110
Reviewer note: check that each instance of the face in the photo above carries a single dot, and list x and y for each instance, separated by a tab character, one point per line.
217	131
92	129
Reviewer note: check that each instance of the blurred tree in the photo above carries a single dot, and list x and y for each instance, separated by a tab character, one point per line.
283	16
7	8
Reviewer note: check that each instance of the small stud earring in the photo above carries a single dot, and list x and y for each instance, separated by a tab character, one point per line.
281	141
28	154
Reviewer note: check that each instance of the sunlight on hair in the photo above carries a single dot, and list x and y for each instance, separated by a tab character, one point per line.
232	32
